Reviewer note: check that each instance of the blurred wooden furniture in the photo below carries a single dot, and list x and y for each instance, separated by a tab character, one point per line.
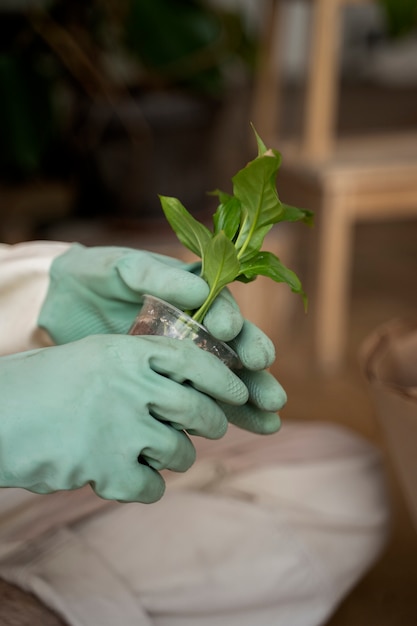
343	180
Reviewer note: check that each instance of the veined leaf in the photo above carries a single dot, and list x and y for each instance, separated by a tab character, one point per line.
292	214
255	243
191	233
255	186
267	264
220	263
227	216
233	251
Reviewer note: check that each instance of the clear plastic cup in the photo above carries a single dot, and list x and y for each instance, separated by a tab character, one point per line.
158	317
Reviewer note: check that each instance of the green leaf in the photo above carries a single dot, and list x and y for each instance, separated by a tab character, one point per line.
191	233
233	251
227	216
255	187
292	214
255	244
267	264
220	267
261	146
220	262
223	196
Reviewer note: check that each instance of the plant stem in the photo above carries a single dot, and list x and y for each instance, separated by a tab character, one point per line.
200	314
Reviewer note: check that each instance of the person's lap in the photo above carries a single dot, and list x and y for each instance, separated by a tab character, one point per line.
261	529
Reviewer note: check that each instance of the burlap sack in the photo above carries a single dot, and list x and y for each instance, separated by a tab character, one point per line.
389	360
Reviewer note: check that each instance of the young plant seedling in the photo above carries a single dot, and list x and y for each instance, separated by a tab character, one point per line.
233	249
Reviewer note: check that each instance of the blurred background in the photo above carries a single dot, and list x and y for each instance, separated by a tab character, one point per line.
106	104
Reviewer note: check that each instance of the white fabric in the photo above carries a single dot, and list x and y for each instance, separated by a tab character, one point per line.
265	531
24	281
278	543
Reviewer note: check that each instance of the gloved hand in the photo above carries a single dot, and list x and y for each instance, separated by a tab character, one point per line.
257	353
84	412
100	290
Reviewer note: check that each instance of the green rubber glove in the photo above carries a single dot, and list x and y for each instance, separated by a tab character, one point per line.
257	353
100	290
85	412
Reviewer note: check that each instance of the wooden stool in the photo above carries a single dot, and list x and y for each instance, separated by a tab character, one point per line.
361	179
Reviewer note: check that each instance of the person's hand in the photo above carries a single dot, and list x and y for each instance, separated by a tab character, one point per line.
87	411
257	353
100	290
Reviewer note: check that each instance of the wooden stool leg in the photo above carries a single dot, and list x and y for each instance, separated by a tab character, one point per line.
322	79
333	266
267	93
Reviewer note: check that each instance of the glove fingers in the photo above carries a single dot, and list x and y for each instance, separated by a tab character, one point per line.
224	320
167	448
265	391
140	484
129	471
187	409
193	266
183	361
151	275
253	419
255	350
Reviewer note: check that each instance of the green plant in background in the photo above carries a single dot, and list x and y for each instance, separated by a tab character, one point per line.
28	122
400	16
104	50
186	43
233	249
